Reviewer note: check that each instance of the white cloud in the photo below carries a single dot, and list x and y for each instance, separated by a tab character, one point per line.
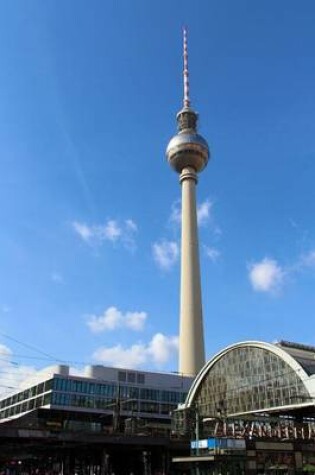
212	253
269	276
162	348
204	212
112	318
176	212
159	351
128	236
266	276
5	308
4	351
165	253
135	320
83	230
130	224
12	374
117	356
113	231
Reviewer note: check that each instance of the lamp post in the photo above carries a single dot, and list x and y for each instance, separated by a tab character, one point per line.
197	435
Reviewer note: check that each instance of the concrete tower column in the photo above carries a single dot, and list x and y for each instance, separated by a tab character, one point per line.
191	344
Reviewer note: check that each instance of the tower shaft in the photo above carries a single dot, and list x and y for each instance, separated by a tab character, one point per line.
191	340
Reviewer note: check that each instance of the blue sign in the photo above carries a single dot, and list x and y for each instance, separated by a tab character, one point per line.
217	443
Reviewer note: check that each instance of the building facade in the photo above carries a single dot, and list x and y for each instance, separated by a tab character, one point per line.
253	406
101	400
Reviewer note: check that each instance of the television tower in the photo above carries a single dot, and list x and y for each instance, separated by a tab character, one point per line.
188	154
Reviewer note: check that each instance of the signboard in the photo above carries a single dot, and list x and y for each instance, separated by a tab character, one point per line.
199	444
272	429
236	444
215	442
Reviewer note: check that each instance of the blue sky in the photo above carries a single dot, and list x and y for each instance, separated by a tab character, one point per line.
89	206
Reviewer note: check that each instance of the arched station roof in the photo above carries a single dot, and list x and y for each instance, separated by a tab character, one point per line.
251	376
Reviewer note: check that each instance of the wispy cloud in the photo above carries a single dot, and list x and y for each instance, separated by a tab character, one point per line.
131	225
204	212
308	260
112	230
112	319
212	253
159	351
82	230
175	216
266	276
165	253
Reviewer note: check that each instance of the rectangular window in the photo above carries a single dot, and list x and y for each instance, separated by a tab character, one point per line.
78	386
48	385
38	401
140	378
122	376
40	388
131	377
33	391
46	399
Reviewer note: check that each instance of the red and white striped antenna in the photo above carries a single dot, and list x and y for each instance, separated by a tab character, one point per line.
186	100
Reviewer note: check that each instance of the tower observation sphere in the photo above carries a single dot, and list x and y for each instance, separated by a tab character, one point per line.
187	148
188	154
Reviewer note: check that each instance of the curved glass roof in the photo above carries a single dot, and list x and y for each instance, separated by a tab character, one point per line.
249	377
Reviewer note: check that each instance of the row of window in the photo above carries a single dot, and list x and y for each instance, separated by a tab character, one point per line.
90	394
25	406
79	400
131	377
27	394
115	390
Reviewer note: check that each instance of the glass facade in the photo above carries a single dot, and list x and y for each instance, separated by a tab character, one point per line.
248	379
27	400
82	393
103	395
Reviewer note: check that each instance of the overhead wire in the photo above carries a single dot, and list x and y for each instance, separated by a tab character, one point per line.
31	347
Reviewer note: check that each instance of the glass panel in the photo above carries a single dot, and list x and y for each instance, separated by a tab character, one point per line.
131	377
247	379
122	376
140	378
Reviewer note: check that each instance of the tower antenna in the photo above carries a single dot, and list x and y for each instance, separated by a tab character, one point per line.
186	100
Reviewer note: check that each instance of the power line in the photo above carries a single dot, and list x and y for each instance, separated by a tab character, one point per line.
30	347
